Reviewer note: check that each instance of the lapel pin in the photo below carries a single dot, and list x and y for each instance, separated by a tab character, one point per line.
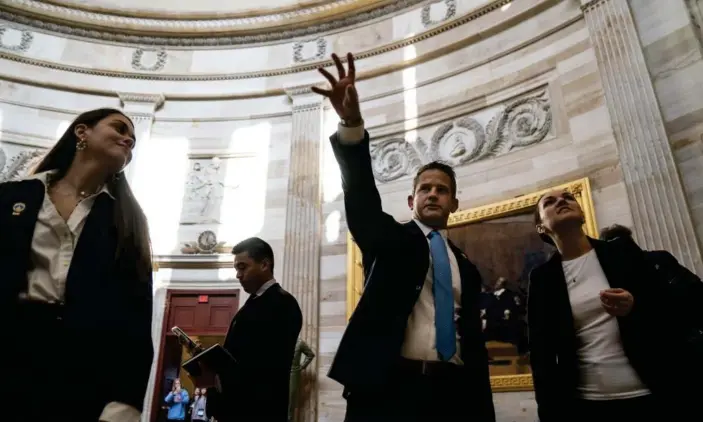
18	208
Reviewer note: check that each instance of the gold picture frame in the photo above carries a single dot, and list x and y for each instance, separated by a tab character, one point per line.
580	188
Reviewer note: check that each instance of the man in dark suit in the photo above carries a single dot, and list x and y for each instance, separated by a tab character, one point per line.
261	339
413	349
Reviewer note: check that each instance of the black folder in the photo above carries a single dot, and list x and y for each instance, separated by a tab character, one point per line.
214	357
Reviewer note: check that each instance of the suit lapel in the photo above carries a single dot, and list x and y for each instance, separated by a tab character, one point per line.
19	209
609	262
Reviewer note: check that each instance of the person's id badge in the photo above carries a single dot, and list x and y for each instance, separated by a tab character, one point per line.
201	412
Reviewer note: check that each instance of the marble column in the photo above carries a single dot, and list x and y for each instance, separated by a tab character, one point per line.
661	216
140	108
303	238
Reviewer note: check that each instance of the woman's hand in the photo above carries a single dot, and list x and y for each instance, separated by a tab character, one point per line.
617	302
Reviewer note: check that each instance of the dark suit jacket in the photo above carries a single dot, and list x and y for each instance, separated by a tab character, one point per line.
684	287
108	310
396	259
644	333
262	339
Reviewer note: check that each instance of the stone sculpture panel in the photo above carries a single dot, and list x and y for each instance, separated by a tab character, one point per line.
520	123
16	160
213	185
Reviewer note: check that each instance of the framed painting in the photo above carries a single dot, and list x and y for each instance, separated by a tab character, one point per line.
501	240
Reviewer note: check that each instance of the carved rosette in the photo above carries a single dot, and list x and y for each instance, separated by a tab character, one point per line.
525	122
23	45
521	123
394	158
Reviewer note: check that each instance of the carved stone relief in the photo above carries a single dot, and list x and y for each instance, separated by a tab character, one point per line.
299	55
520	123
426	14
24	43
211	185
159	64
16	166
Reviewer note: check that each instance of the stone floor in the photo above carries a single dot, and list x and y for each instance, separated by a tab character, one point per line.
515	407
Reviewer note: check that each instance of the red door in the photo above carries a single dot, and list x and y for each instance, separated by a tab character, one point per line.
205	314
202	314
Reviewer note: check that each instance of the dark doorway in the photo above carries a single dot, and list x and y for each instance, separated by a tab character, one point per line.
205	316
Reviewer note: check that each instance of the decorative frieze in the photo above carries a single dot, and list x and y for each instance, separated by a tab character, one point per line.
115	28
518	124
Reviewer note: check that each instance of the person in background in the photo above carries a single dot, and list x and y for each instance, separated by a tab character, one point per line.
413	349
599	347
77	278
199	406
196	396
177	402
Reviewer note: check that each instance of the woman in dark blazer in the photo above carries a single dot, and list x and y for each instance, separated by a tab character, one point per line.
600	348
76	280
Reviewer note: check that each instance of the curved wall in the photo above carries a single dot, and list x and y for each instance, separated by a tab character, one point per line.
512	96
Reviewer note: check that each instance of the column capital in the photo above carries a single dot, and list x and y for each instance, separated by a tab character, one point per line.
302	97
140	104
589	4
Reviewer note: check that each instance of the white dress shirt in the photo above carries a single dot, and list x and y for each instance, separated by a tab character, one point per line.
420	341
53	244
265	287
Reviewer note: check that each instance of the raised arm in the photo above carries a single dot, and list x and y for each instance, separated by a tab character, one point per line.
367	222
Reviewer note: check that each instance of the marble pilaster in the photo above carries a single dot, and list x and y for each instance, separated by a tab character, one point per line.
140	108
660	213
303	238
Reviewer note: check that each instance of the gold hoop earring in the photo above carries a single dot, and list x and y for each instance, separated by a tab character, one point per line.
81	145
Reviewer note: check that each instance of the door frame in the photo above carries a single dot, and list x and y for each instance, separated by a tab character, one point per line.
170	292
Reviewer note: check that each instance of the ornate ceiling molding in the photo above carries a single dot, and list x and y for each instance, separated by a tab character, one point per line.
267	73
195	11
304	22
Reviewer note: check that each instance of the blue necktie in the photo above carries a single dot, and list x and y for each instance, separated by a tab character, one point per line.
443	297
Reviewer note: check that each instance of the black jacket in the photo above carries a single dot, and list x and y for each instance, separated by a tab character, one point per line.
261	338
396	258
646	339
108	309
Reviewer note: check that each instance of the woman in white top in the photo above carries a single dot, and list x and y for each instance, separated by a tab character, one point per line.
599	347
75	290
